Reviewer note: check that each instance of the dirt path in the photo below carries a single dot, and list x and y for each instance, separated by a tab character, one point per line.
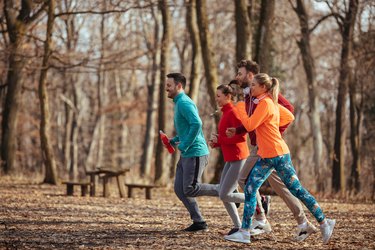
42	217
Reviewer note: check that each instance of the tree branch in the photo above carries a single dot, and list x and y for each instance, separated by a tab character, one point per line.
37	13
93	12
337	16
292	5
339	21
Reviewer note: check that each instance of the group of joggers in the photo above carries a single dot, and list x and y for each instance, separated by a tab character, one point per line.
263	115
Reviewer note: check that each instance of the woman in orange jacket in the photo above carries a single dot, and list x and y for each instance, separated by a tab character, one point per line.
274	154
235	152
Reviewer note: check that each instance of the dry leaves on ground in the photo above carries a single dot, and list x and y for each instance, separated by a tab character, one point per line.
43	217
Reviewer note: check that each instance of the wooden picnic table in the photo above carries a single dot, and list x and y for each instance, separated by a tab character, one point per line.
106	174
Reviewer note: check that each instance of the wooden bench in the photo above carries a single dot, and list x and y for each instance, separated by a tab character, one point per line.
70	187
147	187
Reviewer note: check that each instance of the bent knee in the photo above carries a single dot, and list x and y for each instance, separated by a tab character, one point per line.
242	184
190	191
223	196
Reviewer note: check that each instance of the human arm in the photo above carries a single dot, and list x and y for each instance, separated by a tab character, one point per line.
230	121
189	113
286	117
284	102
212	142
257	118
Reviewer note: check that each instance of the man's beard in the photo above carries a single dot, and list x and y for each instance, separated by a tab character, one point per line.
244	85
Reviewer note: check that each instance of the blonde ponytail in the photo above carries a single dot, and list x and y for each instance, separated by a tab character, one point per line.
274	90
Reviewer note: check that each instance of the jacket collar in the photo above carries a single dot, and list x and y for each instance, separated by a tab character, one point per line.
227	107
177	97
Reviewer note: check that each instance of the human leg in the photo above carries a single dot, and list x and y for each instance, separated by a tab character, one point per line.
189	202
290	200
228	183
304	228
288	175
243	177
258	175
192	178
284	167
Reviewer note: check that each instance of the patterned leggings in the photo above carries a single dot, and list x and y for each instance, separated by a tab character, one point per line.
284	167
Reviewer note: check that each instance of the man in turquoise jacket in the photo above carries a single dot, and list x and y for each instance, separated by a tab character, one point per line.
194	151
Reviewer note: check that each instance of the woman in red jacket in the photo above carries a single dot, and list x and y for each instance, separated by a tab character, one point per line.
235	152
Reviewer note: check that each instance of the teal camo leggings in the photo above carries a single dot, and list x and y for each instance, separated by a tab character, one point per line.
284	167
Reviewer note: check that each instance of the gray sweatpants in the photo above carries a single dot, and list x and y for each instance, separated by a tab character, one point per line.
228	183
187	184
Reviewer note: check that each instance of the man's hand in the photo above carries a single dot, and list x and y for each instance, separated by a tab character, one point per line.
230	132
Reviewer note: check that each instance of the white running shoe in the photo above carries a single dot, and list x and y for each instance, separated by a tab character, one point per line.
239	236
258	227
327	230
304	232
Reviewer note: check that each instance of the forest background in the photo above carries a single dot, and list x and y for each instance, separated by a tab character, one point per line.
82	83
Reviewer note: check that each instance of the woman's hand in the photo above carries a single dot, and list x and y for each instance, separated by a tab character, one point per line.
230	132
214	137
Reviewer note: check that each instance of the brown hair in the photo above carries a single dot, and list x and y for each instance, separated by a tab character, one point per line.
226	89
178	78
271	83
250	66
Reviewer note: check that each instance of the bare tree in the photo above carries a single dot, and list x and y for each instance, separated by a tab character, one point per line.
18	23
69	96
243	30
207	52
346	25
356	121
196	60
48	155
264	36
152	100
161	170
359	90
210	71
309	66
101	91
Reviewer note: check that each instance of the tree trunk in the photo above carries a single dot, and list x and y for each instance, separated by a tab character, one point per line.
338	166
101	96
207	53
153	91
76	123
17	27
264	36
16	31
356	118
243	30
72	115
47	150
210	72
161	170
11	108
196	60
309	66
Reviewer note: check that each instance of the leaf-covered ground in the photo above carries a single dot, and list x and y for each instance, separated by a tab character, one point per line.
43	217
